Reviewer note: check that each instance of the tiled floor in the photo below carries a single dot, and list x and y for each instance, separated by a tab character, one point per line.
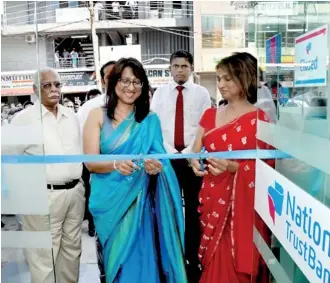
15	270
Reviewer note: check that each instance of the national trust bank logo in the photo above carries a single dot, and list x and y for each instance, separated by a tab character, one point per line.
275	200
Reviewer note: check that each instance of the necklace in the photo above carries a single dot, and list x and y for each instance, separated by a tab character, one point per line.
126	119
129	119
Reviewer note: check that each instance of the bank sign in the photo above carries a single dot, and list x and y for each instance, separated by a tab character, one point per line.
311	51
300	222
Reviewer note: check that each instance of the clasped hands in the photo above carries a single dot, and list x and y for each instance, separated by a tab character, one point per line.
127	167
215	166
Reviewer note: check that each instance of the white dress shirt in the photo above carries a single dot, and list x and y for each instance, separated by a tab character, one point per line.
58	136
266	103
196	100
87	107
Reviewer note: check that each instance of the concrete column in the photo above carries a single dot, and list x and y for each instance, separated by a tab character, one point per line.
168	8
103	39
142	9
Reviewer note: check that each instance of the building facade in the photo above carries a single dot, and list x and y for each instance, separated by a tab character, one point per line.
34	31
219	31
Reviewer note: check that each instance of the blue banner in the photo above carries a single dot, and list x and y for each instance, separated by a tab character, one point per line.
238	154
274	50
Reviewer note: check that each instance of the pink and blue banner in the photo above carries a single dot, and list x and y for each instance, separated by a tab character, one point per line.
273	49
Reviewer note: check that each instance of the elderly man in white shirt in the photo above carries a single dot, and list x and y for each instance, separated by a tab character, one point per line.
180	106
65	189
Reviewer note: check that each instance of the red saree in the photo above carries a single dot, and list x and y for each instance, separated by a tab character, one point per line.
227	252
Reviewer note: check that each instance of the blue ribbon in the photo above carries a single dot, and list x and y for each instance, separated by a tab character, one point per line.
238	154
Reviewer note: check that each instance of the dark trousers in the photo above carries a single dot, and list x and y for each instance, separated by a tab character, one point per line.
86	178
89	217
190	185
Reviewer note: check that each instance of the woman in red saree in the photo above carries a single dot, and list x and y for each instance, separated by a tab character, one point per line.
227	252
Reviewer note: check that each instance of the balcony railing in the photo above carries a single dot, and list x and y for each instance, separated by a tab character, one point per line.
51	12
81	63
68	64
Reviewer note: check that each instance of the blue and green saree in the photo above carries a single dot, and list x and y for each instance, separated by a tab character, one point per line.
141	232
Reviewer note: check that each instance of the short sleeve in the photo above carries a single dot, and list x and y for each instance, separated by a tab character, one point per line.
208	119
262	116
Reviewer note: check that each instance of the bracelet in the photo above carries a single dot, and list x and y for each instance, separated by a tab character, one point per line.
114	165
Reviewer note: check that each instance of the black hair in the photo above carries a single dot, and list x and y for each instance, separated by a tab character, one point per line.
275	84
261	75
104	66
94	91
151	90
26	103
142	105
182	54
223	102
242	67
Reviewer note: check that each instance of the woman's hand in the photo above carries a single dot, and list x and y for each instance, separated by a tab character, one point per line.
152	166
195	165
125	167
217	166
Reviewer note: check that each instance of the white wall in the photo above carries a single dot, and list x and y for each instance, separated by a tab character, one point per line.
17	55
208	80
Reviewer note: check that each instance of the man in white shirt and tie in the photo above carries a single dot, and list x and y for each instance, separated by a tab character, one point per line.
180	106
66	192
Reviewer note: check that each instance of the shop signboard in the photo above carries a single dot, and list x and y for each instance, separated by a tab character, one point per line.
274	49
21	83
78	81
158	76
276	8
15	84
311	50
299	221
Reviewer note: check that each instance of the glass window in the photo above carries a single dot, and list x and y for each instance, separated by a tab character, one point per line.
177	4
212	31
302	128
64	4
73	4
55	4
82	4
233	23
220	31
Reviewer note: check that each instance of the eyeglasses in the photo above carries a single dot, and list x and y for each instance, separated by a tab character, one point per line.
48	86
128	82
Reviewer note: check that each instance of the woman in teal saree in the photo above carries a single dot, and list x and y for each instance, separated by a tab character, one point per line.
140	226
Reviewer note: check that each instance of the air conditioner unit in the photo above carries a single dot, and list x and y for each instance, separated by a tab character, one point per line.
31	38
